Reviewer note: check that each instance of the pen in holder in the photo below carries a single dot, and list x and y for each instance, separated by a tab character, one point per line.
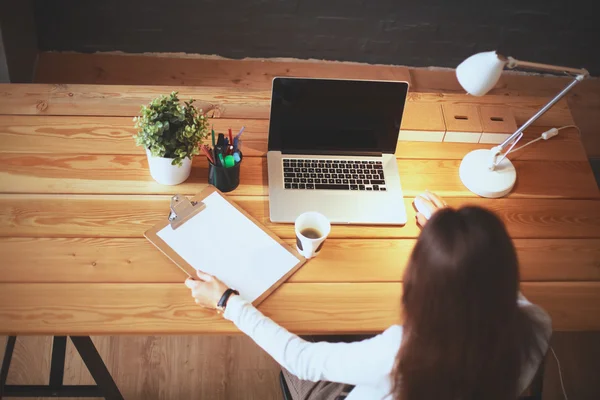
224	179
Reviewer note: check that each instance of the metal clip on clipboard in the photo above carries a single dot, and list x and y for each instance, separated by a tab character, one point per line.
182	209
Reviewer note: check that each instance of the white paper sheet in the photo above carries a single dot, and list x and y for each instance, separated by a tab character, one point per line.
222	242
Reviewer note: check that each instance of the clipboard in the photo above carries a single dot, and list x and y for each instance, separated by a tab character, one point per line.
266	265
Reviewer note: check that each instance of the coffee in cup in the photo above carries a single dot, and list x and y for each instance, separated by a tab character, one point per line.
312	228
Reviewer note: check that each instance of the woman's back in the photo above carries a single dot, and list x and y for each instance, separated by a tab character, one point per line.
465	337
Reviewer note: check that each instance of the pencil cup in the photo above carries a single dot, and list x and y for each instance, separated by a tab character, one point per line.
225	179
311	229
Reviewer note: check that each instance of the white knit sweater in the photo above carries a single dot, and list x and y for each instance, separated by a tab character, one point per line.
366	364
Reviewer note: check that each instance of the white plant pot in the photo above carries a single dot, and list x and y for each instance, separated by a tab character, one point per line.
166	174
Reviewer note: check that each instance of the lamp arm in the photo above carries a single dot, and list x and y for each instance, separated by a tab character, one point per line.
513	63
519	132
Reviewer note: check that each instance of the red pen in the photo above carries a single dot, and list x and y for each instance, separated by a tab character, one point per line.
230	137
206	151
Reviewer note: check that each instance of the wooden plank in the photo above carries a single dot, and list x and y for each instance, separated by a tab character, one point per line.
122	100
587	119
119	100
567	303
440	80
72	135
558	258
27	215
111	69
563	179
113	260
113	135
69	216
129	69
257	74
98	135
113	174
24	99
385	260
118	69
168	308
128	174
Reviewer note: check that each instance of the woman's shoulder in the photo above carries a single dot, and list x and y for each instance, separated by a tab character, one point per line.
393	334
540	318
540	330
394	330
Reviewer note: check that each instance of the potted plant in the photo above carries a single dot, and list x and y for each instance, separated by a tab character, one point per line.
171	133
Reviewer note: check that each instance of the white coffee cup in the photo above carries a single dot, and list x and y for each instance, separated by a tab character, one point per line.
312	228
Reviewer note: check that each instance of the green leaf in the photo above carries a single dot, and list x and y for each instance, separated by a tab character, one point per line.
170	128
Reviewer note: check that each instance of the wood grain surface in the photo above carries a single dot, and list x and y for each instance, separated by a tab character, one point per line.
76	197
584	100
128	174
159	308
181	367
220	102
203	71
131	260
130	69
130	215
112	135
215	367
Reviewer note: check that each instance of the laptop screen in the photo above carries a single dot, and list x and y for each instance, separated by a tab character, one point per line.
323	116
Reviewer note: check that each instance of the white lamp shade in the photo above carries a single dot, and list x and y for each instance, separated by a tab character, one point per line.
479	73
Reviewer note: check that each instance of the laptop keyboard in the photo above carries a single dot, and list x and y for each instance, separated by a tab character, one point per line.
333	175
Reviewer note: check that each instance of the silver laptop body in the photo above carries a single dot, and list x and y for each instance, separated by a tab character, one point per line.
331	150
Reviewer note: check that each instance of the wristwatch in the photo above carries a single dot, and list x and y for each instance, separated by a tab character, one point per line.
223	301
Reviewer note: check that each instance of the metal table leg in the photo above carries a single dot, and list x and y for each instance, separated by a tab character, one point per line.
105	385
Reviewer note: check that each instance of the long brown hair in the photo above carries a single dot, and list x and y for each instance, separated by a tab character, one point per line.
464	335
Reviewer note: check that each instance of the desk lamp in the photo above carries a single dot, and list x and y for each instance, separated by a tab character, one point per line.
488	173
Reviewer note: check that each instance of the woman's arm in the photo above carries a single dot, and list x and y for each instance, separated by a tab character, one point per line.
359	363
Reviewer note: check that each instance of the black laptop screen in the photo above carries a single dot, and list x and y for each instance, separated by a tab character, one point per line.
317	116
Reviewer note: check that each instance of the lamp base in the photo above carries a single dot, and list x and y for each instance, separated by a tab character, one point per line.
476	175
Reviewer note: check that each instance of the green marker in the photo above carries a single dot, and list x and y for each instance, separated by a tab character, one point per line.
213	136
229	161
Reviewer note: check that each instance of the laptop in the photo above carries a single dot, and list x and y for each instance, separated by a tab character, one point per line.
331	150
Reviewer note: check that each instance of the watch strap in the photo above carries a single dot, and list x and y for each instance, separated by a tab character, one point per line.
224	298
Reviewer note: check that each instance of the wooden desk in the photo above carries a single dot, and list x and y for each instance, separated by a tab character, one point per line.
77	197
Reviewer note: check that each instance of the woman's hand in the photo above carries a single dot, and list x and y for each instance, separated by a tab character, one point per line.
427	204
207	291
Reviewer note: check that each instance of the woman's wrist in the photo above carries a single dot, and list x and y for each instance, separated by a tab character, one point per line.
222	303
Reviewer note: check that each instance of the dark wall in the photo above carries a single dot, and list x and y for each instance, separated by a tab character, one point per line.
4	74
416	33
18	44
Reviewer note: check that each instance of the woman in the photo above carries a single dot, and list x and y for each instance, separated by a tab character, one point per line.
468	333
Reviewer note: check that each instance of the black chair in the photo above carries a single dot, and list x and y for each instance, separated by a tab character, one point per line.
284	387
533	392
